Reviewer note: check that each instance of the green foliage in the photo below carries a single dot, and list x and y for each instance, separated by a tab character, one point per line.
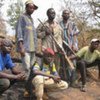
15	9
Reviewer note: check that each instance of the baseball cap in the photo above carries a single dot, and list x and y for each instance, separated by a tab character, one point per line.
31	2
95	40
49	51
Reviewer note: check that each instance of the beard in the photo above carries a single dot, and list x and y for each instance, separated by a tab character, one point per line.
66	18
51	17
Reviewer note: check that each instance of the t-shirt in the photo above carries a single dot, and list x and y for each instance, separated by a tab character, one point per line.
87	55
46	68
5	62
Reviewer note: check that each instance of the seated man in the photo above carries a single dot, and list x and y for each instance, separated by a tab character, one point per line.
46	76
6	80
86	57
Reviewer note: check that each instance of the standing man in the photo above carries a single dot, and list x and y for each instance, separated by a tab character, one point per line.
26	36
70	33
6	80
70	30
54	29
86	57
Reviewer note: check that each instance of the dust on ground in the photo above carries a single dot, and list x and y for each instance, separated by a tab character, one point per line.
92	93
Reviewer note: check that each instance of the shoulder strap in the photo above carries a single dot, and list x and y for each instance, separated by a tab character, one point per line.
41	66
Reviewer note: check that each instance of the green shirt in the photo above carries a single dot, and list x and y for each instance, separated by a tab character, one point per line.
87	55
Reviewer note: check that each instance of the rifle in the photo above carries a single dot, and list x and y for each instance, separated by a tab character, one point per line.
16	60
69	47
66	57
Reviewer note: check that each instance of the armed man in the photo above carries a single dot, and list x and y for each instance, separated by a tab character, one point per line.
54	29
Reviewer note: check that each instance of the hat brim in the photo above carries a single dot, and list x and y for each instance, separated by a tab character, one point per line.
35	7
95	41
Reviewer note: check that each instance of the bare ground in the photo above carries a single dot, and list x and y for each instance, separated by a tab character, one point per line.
92	93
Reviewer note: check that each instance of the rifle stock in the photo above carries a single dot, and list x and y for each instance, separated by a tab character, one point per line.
66	57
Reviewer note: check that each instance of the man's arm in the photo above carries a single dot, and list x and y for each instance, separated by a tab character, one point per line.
16	70
6	75
40	32
75	29
55	78
15	74
21	47
43	30
19	35
11	76
73	57
19	29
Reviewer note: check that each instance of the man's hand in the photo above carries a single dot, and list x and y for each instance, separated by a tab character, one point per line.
20	76
22	52
74	48
56	79
48	30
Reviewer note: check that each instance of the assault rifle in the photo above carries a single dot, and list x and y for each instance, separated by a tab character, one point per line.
61	48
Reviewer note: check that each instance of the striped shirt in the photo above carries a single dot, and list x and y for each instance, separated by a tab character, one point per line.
70	33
